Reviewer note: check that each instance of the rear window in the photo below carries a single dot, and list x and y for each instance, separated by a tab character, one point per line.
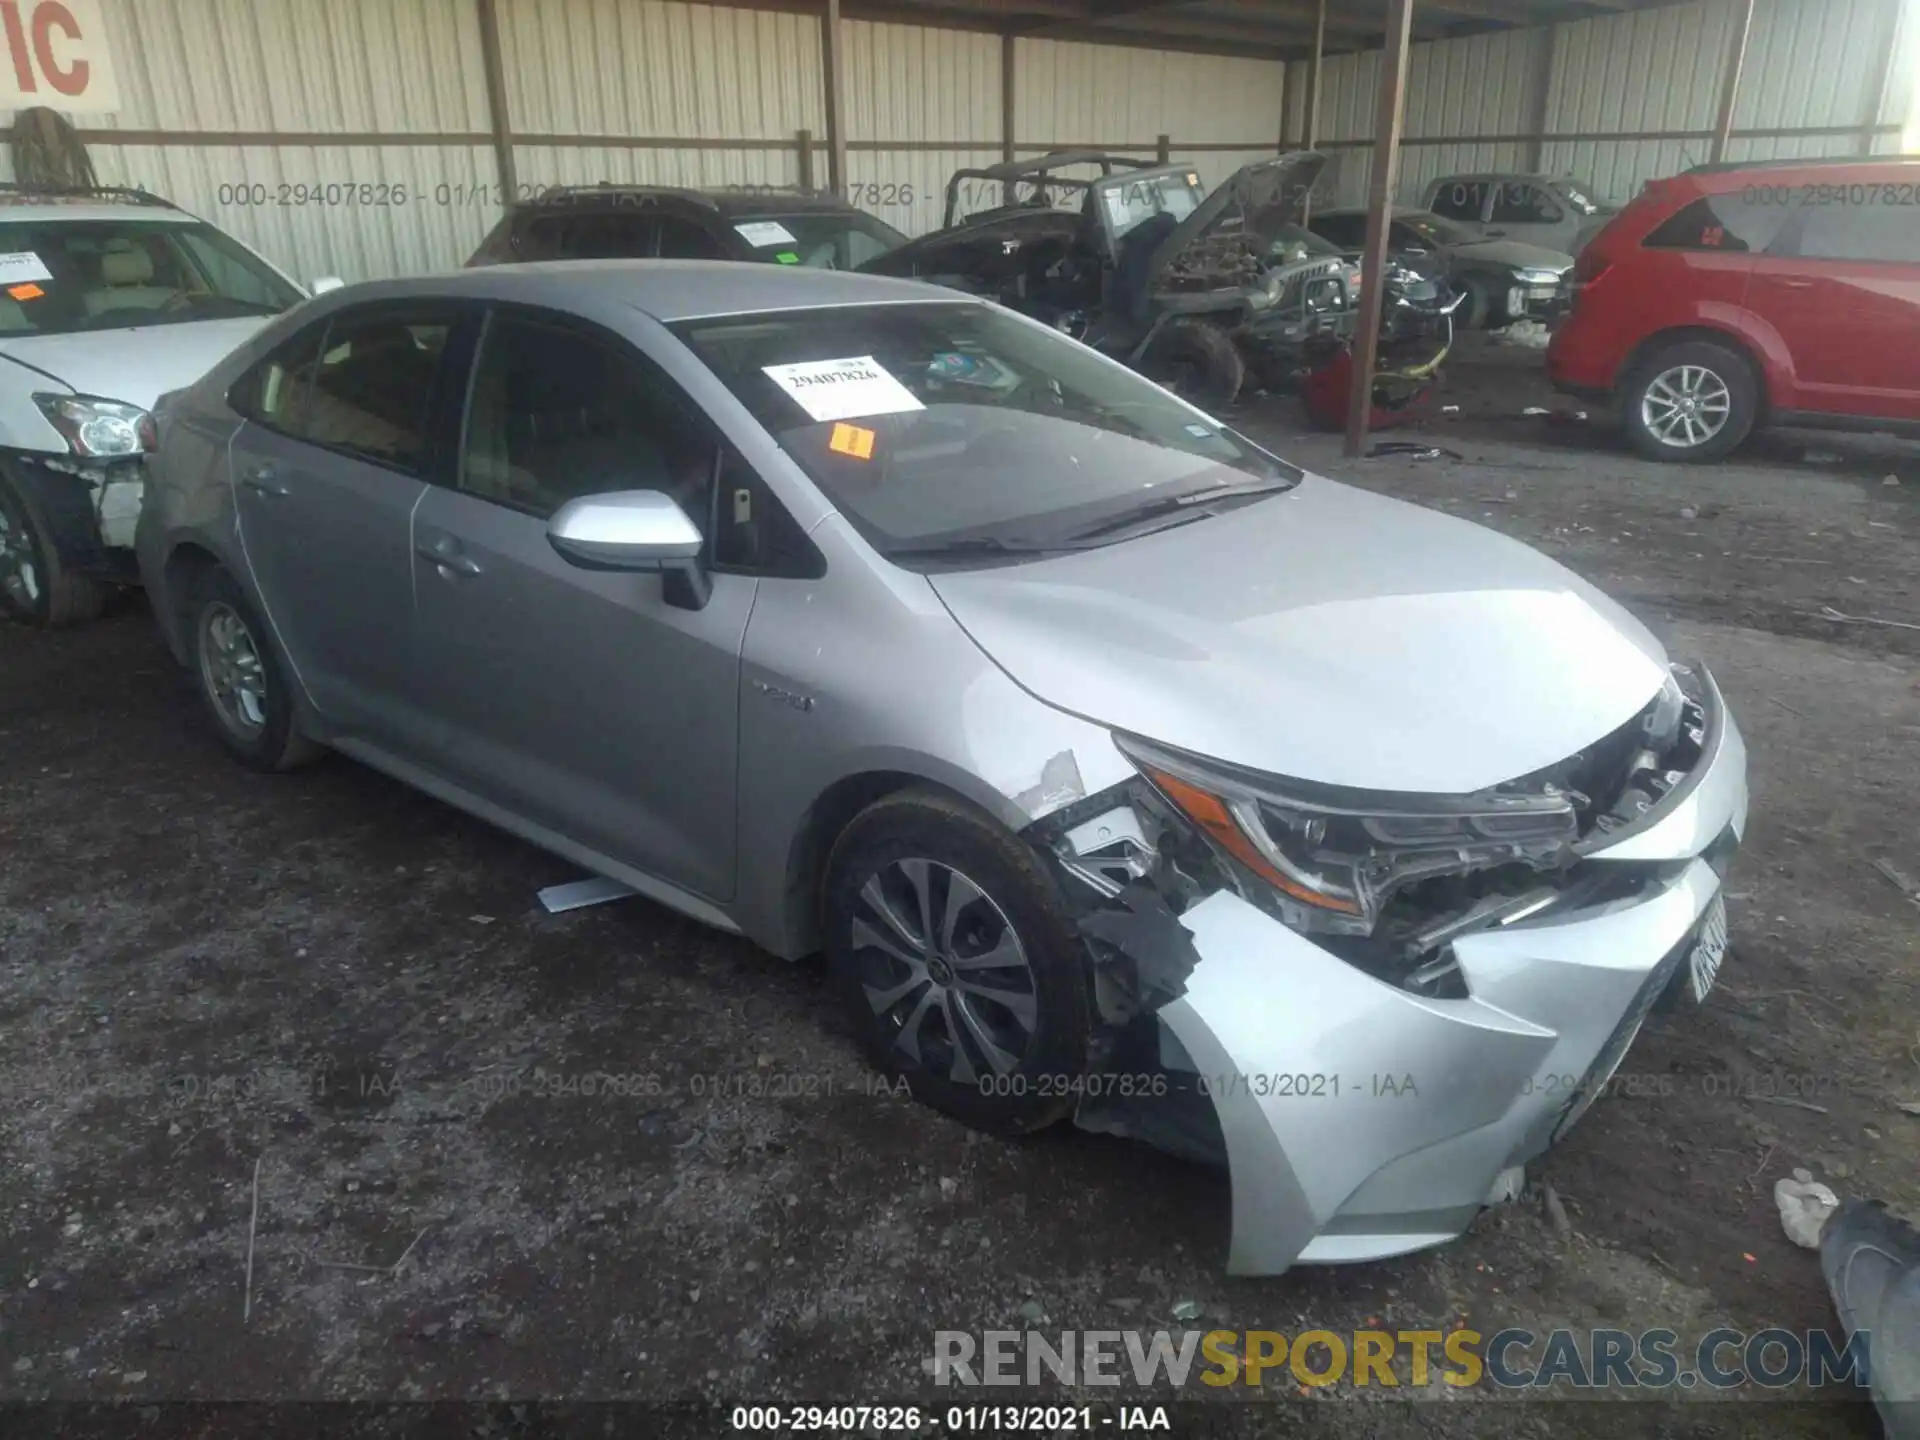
1720	222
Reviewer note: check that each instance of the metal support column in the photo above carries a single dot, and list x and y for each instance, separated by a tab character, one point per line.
833	75
1730	83
1380	186
496	83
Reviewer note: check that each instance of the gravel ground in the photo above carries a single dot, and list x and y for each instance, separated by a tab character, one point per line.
346	991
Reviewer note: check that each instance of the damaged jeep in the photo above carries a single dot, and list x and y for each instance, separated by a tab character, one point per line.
1198	291
1123	771
109	298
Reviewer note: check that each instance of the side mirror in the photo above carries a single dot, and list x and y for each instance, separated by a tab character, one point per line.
634	531
326	283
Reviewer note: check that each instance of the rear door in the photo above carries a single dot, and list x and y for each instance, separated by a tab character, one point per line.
326	473
580	700
1841	284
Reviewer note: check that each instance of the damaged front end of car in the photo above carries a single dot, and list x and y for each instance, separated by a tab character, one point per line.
1375	1008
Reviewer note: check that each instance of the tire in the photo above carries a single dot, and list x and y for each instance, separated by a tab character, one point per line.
1476	312
1707	372
1196	360
239	678
914	1026
36	587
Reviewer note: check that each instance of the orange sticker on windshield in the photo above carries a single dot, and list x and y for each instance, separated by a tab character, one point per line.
852	440
25	292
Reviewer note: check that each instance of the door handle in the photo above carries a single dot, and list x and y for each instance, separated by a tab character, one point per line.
1788	282
264	480
446	555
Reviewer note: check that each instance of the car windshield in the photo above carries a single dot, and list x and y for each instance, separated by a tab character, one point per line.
1577	196
825	239
956	428
62	276
1131	199
1436	229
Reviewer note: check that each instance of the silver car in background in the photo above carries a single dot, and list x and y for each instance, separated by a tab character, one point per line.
1121	769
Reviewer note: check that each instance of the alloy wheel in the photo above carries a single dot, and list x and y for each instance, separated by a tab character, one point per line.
232	670
941	963
1686	406
19	570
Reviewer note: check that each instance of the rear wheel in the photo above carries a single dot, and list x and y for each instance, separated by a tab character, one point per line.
241	684
957	962
1691	401
1196	360
35	586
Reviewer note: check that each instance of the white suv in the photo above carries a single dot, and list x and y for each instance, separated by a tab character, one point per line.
109	298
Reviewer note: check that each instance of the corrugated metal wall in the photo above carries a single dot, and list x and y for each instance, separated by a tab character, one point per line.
353	67
620	90
1811	65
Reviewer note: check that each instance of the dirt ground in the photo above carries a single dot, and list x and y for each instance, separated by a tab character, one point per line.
348	989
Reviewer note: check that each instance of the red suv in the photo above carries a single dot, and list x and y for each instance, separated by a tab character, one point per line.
1783	292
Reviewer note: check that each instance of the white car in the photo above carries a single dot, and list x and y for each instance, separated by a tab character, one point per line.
109	298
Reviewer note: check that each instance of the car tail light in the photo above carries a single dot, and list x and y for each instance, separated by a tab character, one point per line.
1589	270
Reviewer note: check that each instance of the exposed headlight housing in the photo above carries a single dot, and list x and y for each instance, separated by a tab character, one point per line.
1333	857
97	428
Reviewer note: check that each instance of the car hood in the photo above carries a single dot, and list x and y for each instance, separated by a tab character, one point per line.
1326	634
136	365
1516	253
1256	199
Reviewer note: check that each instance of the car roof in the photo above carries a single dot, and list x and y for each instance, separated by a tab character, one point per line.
726	202
667	290
1819	162
14	212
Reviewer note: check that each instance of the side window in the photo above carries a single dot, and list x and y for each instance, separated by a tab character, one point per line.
556	413
1719	222
373	384
1856	232
753	531
1461	200
685	240
274	392
1519	203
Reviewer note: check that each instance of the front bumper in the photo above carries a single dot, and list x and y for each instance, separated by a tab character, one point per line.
1361	1120
89	507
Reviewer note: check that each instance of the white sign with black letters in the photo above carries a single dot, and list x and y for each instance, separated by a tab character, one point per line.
843	389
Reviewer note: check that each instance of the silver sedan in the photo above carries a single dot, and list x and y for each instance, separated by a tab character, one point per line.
1122	770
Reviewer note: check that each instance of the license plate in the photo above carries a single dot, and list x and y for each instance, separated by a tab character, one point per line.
1709	949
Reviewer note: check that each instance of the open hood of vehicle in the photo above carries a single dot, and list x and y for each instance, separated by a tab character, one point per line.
1255	200
1326	634
137	365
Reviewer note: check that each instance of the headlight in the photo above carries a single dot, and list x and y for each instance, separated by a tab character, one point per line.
99	429
1334	857
1537	277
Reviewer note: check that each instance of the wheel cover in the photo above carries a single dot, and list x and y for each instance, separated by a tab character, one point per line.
232	670
943	966
19	570
1686	406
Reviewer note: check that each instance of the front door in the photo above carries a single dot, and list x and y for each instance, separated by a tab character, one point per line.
327	471
580	700
1528	211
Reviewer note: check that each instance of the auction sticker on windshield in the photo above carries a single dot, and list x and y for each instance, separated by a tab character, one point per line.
846	389
762	233
22	266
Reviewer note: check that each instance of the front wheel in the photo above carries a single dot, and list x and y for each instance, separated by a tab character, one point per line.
1690	402
1196	360
955	957
36	587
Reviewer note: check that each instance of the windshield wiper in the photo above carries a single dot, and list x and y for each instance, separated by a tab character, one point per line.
974	545
1190	503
